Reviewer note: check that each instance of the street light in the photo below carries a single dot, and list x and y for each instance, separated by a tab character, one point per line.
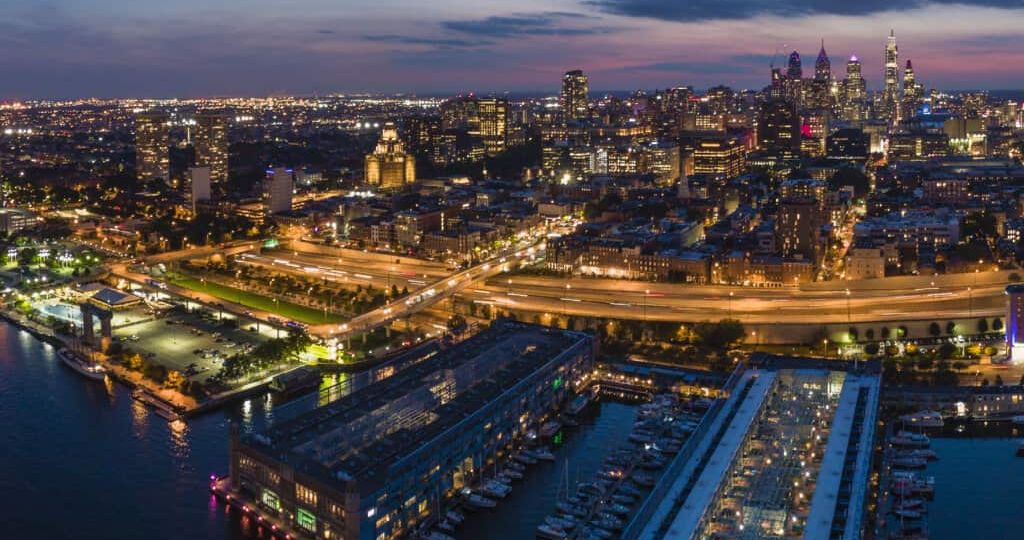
847	306
730	304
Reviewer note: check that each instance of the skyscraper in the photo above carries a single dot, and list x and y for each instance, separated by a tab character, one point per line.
912	93
211	145
795	69
822	66
575	95
493	117
854	91
389	166
891	92
778	130
152	146
199	185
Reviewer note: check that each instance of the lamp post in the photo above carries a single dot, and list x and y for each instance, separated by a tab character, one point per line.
847	306
644	304
730	304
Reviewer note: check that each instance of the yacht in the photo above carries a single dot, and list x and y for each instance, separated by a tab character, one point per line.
90	370
479	501
923	419
550	533
550	428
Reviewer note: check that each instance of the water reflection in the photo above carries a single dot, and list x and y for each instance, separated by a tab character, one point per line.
179	438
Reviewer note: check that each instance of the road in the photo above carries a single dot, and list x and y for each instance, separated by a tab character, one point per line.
621	299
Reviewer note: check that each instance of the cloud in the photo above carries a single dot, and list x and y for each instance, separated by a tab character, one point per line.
552	23
702	10
436	42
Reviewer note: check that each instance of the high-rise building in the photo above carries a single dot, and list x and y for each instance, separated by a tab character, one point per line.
152	146
778	130
211	145
493	118
798	228
389	166
821	89
199	185
854	91
891	92
913	93
822	66
719	157
794	69
575	95
279	188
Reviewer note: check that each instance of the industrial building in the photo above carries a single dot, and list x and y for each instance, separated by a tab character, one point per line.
786	455
374	464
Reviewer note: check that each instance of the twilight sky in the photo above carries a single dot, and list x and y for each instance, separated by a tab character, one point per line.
165	48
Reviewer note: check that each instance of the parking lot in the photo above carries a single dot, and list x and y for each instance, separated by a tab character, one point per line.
193	344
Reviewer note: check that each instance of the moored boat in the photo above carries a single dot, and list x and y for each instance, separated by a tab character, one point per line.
90	370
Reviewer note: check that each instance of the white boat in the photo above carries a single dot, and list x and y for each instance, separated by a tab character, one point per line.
560	523
479	501
550	533
923	419
90	370
543	453
495	489
578	403
513	474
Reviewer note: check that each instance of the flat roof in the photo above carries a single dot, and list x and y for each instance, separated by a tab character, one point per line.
362	434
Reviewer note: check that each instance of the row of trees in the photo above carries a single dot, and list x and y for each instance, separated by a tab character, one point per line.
269	355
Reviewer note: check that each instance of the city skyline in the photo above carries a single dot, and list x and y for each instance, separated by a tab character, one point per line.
118	49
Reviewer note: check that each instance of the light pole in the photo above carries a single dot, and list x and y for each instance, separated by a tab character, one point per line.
644	303
847	306
730	304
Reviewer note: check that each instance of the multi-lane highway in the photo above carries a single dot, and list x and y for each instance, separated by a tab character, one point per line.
620	299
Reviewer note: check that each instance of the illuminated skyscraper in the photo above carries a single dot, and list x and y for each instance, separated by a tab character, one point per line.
912	93
389	166
575	95
822	66
891	92
795	69
493	118
199	185
778	130
211	145
279	187
152	146
854	91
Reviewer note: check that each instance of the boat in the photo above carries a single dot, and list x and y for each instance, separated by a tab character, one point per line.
618	509
295	381
909	504
454	517
525	458
1019	420
495	489
543	453
551	533
643	480
906	439
923	453
161	408
550	428
445	526
578	403
512	474
907	462
595	533
90	370
923	419
475	500
568	421
560	522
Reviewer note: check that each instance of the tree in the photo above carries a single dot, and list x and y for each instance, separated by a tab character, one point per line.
982	326
946	350
885	332
901	332
852	332
934	330
135	362
175	380
719	335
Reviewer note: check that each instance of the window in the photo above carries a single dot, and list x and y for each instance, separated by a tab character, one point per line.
270	499
305	519
305	495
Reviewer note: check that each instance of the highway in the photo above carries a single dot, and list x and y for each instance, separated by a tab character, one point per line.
621	299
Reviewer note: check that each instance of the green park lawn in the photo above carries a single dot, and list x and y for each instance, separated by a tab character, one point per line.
287	310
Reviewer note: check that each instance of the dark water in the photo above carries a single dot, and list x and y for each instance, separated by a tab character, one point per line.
82	460
979	484
582	452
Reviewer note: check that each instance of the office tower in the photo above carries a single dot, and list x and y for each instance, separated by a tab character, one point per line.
912	93
152	146
798	228
279	190
823	66
574	97
199	185
725	157
794	70
854	91
891	92
493	117
778	130
389	166
211	145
